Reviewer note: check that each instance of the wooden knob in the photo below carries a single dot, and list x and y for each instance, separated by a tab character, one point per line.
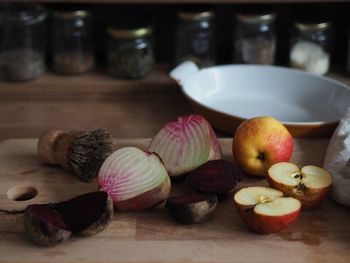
47	146
54	147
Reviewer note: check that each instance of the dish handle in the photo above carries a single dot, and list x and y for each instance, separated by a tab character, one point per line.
184	71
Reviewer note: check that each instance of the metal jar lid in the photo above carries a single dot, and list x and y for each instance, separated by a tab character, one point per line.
195	16
71	14
309	26
129	33
22	14
256	18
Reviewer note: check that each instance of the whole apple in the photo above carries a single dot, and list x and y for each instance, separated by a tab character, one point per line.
261	142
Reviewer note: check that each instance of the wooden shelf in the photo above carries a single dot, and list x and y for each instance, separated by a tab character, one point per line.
180	1
129	109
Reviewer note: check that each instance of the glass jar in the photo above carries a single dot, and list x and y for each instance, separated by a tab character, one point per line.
71	42
130	52
310	47
195	38
22	41
254	39
348	57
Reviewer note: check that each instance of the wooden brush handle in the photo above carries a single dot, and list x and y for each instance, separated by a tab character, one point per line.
47	146
54	145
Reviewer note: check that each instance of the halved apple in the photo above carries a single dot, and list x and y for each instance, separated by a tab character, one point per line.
309	184
265	210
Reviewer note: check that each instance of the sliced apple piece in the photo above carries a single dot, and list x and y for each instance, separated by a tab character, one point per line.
309	184
265	210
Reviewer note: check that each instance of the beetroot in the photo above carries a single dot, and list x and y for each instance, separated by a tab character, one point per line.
192	209
215	177
52	224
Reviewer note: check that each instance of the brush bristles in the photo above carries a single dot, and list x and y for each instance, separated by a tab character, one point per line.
88	152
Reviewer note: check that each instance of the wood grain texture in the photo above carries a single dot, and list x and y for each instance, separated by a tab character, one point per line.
135	108
129	109
320	235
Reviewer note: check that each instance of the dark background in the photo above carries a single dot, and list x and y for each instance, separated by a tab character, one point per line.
163	17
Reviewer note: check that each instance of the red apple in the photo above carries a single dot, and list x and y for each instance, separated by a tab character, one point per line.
309	184
265	210
134	179
186	144
260	142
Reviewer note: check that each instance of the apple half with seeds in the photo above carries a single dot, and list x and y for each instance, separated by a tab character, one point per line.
186	144
265	210
134	179
309	185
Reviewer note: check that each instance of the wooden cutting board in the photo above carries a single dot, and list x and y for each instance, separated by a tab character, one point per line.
320	235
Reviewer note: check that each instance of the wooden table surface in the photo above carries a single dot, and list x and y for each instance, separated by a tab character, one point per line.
129	109
137	109
320	235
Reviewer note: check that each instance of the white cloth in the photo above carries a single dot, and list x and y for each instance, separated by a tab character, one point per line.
337	156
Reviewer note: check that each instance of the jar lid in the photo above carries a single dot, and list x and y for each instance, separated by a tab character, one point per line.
195	15
129	33
22	14
302	26
256	18
71	14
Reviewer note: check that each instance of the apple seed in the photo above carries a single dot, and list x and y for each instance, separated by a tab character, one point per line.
297	175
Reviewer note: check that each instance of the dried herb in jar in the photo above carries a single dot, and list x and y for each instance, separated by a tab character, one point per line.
257	50
66	62
195	37
130	52
71	41
128	62
254	39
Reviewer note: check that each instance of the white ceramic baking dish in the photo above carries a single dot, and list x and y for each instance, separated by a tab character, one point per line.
308	104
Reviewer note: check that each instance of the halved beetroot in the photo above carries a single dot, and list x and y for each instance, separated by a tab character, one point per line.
185	144
52	224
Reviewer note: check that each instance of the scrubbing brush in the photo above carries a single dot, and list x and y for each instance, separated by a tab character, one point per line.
80	152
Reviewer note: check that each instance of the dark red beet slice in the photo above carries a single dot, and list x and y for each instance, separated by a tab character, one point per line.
45	226
192	209
52	224
87	214
215	177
